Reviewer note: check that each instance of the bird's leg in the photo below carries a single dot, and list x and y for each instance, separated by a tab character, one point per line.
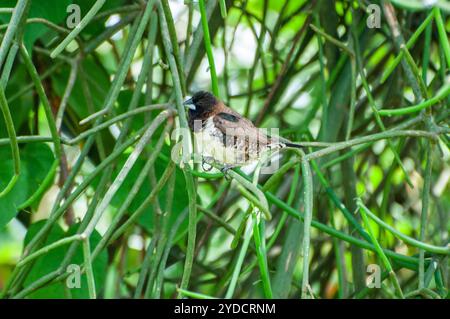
207	160
225	169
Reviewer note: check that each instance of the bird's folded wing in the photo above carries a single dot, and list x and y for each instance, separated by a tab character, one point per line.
233	125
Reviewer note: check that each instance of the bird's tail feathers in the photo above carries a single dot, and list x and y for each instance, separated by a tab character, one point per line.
292	145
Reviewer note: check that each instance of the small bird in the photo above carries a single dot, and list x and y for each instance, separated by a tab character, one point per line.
226	136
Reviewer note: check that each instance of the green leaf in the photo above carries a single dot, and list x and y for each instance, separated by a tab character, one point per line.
375	176
19	107
138	120
146	220
122	106
95	27
98	83
35	160
52	10
288	259
56	12
53	259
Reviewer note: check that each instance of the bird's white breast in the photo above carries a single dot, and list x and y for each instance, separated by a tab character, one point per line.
209	143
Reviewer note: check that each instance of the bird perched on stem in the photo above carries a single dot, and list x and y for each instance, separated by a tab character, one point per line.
226	136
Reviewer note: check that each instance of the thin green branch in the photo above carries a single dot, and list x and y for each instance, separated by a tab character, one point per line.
208	47
440	96
425	211
192	294
330	39
46	249
89	269
43	187
44	100
443	36
261	253
13	26
223	8
373	106
409	45
363	210
192	194
367	139
80	26
445	250
13	141
237	267
308	196
118	181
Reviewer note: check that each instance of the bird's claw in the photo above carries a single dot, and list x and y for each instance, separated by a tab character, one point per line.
225	170
207	160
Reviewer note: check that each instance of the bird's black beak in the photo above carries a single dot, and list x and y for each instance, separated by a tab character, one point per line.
189	104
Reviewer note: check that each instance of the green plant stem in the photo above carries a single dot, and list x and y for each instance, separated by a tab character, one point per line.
35	285
46	22
259	237
68	90
89	270
83	23
373	106
412	261
136	31
13	26
132	194
48	248
192	294
162	265
152	196
217	219
335	200
173	38
426	52
118	118
208	47
283	218
223	8
9	64
440	95
424	212
94	43
43	187
13	141
187	43
330	39
43	76
420	6
168	47
363	209
367	139
443	36
192	229
308	205
104	164
415	71
409	45
145	267
423	292
44	100
240	260
261	254
445	250
118	181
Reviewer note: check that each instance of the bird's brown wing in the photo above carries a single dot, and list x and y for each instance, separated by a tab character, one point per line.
237	129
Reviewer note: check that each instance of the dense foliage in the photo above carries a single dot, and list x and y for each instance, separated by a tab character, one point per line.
88	187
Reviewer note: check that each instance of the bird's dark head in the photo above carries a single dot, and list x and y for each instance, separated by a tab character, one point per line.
201	104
